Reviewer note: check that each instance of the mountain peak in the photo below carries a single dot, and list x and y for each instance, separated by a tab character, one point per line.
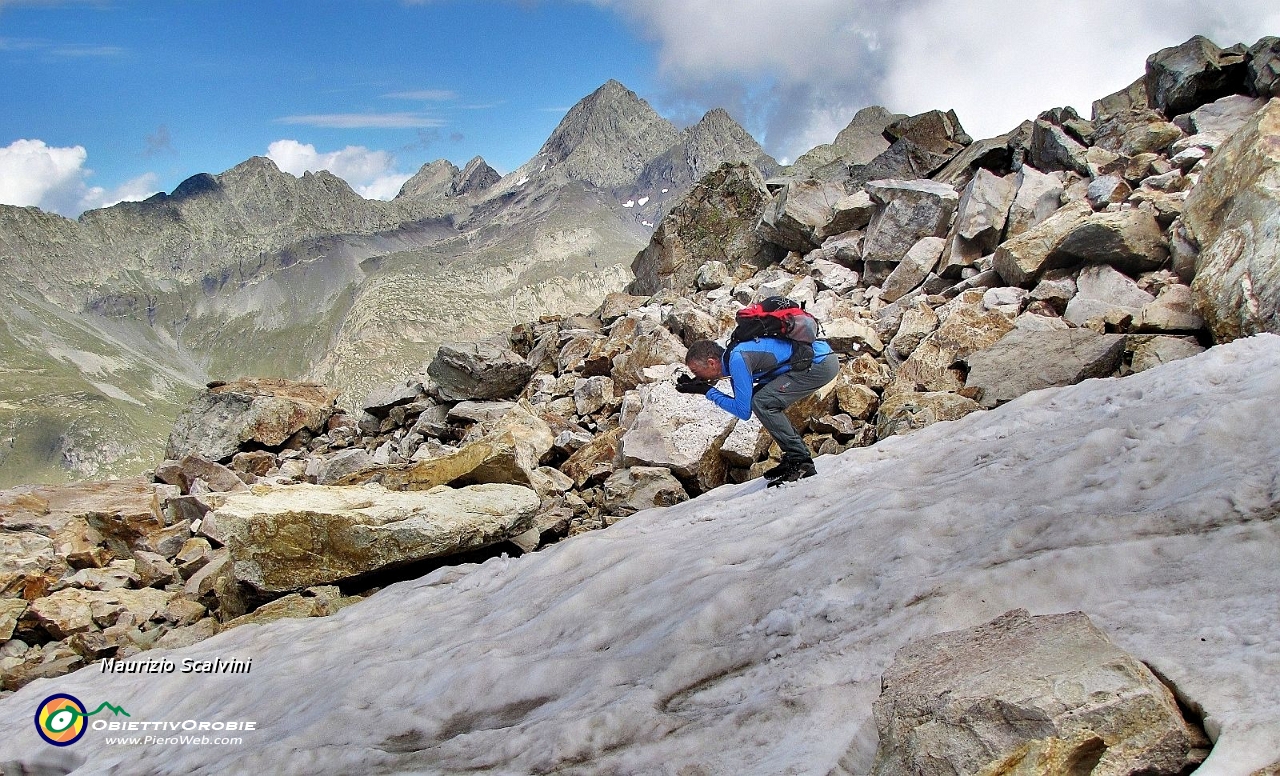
432	181
718	138
717	117
608	137
253	166
475	177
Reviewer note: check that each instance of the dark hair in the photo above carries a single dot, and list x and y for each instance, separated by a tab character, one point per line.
703	350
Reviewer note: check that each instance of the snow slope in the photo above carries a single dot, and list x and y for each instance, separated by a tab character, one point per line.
745	632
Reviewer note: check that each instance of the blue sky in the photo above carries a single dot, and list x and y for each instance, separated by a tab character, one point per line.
112	99
175	88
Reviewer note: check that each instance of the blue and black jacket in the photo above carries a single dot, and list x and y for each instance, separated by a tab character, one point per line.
750	361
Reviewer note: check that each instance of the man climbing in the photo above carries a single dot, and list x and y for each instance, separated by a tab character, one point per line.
763	380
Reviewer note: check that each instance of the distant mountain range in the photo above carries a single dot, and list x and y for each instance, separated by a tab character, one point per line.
111	321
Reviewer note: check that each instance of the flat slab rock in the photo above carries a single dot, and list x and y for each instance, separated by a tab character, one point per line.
289	538
1025	694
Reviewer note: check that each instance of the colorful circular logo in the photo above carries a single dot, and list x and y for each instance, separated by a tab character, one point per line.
60	720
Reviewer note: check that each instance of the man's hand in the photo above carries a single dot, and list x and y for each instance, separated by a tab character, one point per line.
687	384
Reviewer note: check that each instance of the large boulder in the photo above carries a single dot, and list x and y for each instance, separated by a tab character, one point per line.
746	443
1024	361
1130	240
1039	195
478	370
915	266
714	222
1173	310
297	536
1101	291
216	477
11	610
595	460
319	601
1223	117
1264	68
917	323
799	211
641	487
680	432
1054	148
1182	78
592	394
657	348
262	412
903	413
1132	97
967	328
601	358
1151	351
908	212
333	469
29	563
120	508
1022	259
1029	695
979	223
858	143
850	335
381	400
849	213
998	155
1231	214
921	145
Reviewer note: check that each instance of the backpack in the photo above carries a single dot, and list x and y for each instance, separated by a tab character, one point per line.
780	318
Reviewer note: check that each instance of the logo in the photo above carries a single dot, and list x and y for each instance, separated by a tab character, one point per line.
60	719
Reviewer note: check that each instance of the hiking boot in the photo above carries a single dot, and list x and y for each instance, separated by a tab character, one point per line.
775	472
791	471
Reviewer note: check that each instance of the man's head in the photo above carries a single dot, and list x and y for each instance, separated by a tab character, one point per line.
704	360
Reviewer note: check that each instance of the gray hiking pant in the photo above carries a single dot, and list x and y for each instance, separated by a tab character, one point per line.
773	398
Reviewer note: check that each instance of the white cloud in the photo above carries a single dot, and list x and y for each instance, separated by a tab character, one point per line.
364	120
55	179
30	170
134	190
947	56
383	187
370	173
796	72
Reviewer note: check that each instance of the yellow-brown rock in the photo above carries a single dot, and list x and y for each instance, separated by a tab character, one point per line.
289	538
1231	213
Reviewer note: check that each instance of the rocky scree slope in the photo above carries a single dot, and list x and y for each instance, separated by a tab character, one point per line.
758	631
1074	278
